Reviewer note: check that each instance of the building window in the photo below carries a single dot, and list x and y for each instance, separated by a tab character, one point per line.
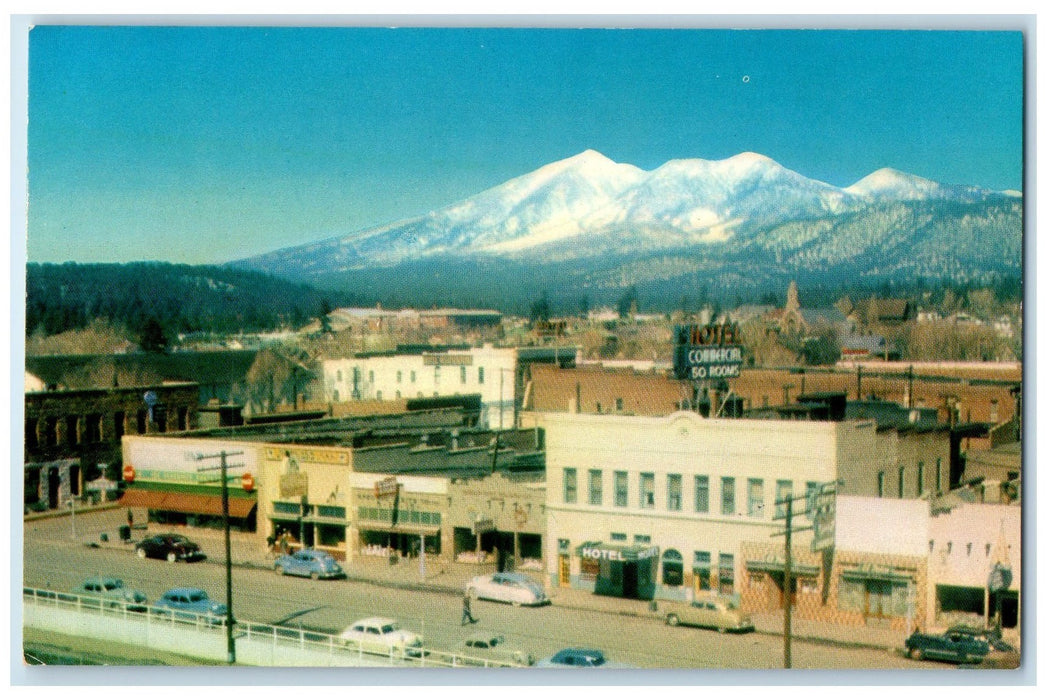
461	373
336	396
93	426
919	479
72	432
783	491
413	376
399	376
641	539
378	395
701	494
370	376
674	494
725	574
619	404
755	498
436	374
619	537
901	482
480	375
703	568
672	568
338	376
621	489
595	487
183	419
570	485
881	480
727	495
31	439
647	490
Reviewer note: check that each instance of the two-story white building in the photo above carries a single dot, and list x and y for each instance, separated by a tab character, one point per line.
645	507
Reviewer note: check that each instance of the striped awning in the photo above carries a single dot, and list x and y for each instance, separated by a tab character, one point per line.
239	507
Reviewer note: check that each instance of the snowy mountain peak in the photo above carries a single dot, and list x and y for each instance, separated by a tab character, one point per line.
894	183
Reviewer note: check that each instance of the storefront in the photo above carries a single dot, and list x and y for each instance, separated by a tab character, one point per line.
618	570
878	592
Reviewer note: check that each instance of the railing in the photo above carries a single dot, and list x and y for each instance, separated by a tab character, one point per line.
278	638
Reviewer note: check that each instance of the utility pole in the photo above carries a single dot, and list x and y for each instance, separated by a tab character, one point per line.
229	621
787	575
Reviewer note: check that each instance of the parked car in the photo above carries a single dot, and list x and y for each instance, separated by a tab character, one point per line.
513	588
493	647
382	635
309	562
577	657
715	611
168	546
192	604
956	646
113	593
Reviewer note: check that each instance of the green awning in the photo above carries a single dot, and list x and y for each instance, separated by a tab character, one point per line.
775	566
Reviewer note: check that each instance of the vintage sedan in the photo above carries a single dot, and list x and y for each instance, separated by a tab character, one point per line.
169	546
955	646
479	648
513	588
713	611
112	592
576	657
309	562
381	635
193	605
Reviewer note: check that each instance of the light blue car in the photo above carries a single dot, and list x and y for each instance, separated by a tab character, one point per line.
192	604
309	562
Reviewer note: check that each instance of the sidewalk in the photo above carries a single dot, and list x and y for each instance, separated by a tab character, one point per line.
449	578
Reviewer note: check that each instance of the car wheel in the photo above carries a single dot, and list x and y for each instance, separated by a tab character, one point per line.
672	620
916	653
172	557
140	552
314	575
279	570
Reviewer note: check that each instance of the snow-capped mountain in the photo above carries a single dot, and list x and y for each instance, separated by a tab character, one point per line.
588	223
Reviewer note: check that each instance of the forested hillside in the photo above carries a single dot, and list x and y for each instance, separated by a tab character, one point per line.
176	298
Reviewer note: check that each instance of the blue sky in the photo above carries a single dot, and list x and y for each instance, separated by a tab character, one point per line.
203	145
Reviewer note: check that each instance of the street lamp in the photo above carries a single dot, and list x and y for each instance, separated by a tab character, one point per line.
223	467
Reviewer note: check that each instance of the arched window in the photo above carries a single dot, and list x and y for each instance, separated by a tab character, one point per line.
672	568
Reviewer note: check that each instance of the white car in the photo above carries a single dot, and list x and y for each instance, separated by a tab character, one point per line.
508	588
382	635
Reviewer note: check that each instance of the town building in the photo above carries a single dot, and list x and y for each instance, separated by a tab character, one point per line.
352	486
73	436
659	507
498	375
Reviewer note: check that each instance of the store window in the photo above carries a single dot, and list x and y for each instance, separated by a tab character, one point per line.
703	569
783	491
647	490
755	498
595	487
570	485
727	495
674	493
725	573
701	494
672	568
621	489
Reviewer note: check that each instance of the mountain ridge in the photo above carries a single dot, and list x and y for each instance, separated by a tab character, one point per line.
591	212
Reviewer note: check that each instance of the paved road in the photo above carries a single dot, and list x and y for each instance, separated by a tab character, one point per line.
55	558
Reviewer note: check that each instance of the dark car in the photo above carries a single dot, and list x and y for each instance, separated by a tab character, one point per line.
956	646
168	546
575	657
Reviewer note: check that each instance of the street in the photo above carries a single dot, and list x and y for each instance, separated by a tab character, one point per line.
57	559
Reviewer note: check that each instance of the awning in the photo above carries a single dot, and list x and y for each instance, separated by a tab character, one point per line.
406	529
616	552
877	573
777	566
239	507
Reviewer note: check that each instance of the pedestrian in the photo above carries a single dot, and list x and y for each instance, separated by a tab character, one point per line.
130	518
467	613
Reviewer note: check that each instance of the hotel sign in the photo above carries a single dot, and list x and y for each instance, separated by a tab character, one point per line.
618	555
709	351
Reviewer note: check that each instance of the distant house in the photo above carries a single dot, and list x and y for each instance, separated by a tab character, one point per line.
874	311
854	346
